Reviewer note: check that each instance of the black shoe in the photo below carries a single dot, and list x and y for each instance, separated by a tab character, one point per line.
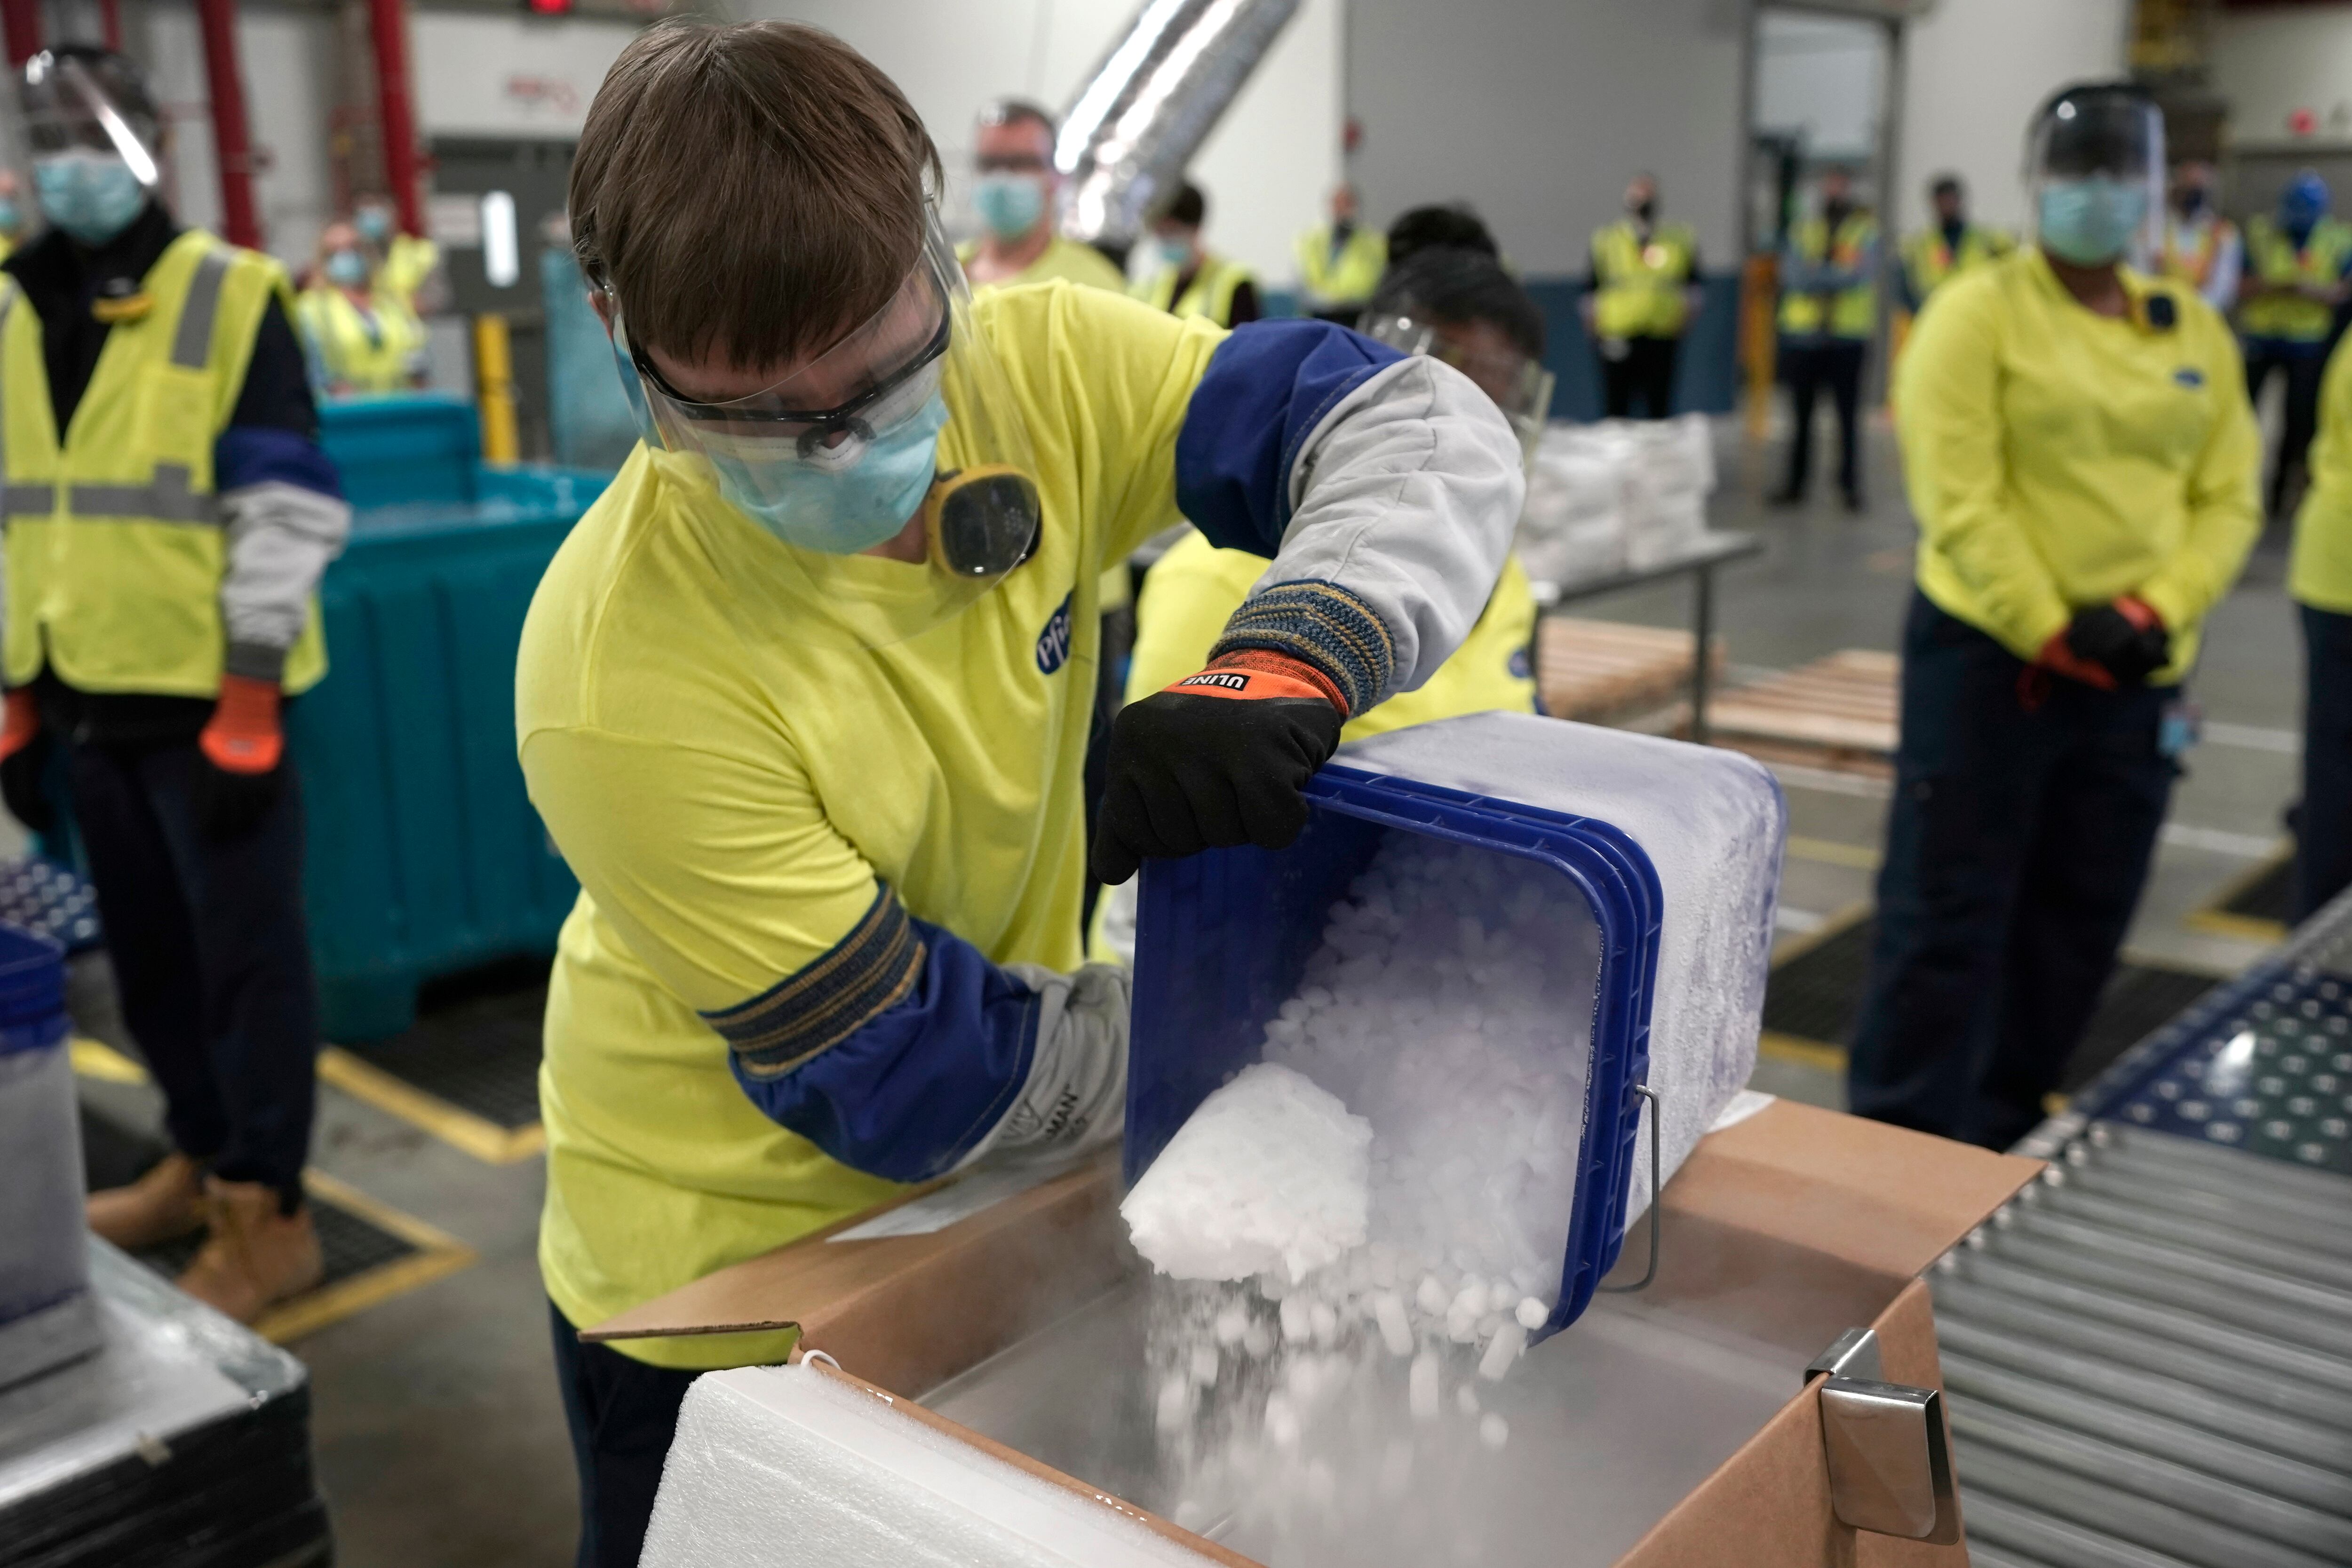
1785	499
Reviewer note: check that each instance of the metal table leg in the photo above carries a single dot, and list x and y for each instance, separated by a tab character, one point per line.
1703	614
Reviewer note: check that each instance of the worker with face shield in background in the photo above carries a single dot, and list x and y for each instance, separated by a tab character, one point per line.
1017	190
170	512
2297	265
804	697
2082	460
1462	307
364	340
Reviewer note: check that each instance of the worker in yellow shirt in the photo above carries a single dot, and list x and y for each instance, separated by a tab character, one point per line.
1340	262
2201	247
1948	247
1829	312
2297	267
2319	580
1017	192
1645	290
2082	460
362	338
803	698
1190	280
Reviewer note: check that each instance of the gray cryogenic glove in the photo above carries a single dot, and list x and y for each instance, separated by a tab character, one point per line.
1074	1098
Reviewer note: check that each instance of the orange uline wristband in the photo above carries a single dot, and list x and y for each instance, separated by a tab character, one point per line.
1255	673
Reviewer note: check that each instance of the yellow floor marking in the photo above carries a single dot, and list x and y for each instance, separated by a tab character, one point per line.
483	1138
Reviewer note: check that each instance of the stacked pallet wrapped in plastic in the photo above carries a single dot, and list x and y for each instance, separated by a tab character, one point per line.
1622	493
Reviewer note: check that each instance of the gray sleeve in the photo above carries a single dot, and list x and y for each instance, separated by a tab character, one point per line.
1074	1098
280	538
1403	499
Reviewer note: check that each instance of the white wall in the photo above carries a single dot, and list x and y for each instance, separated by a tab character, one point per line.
488	75
2268	64
1536	112
1976	71
1266	168
1821	79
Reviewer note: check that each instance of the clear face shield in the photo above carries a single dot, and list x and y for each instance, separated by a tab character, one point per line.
95	145
2095	176
909	413
1520	386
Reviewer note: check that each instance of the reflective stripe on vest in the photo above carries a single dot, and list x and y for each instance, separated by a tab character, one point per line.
1642	286
114	548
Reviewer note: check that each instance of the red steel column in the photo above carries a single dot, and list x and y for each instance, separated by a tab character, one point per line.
109	24
239	217
20	24
395	113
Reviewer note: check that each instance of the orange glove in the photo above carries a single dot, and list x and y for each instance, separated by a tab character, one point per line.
22	724
243	736
24	762
2060	660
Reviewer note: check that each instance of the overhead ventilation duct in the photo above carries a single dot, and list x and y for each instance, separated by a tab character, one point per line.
1151	103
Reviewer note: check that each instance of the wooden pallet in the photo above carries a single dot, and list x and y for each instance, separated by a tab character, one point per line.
1599	670
1838	713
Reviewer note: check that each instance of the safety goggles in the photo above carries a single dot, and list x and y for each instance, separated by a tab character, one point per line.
1520	386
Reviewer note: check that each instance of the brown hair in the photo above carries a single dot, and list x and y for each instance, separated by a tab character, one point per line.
753	190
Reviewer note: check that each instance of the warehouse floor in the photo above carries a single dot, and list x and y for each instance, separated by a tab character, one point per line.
440	1440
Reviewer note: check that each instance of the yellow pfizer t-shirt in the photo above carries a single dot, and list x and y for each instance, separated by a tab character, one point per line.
2058	459
1192	590
728	782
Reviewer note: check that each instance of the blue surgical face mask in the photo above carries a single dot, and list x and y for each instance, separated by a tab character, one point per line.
1175	251
374	224
2091	222
840	512
1010	204
91	196
347	270
9	216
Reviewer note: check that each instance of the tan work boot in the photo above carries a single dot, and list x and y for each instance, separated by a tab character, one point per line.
165	1204
255	1256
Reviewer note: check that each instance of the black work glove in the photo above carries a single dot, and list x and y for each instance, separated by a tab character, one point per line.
25	750
2124	638
1215	760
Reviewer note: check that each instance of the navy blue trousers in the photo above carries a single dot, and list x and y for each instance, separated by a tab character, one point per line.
622	1414
211	956
2323	866
2017	843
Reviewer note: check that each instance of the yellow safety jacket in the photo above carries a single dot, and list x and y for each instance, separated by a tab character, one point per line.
1348	277
1929	259
2195	265
1063	258
2274	259
2057	458
2319	573
408	261
114	540
1209	293
374	350
1854	311
1641	284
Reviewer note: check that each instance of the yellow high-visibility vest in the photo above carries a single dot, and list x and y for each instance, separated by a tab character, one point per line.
1209	293
2275	259
1347	278
114	538
368	351
2195	265
1642	282
1929	259
1853	312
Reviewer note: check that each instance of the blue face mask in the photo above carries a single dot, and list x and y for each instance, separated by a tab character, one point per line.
840	512
374	224
9	216
347	270
91	196
2091	222
1010	204
1176	253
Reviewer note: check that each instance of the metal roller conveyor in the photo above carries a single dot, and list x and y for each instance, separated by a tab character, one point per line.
2221	1304
1997	1522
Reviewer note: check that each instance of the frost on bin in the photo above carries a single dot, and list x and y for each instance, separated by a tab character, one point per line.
789	1467
1713	823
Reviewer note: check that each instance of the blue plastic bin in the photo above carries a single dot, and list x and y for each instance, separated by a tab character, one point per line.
47	1313
419	447
1223	939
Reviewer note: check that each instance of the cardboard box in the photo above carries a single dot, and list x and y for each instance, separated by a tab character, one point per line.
1781	1232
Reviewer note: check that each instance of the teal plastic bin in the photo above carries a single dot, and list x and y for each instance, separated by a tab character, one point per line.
424	856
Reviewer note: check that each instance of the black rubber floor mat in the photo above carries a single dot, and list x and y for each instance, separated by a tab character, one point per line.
474	1044
1816	994
372	1253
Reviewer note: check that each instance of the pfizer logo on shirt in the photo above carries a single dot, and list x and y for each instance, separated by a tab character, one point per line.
1054	642
2190	376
